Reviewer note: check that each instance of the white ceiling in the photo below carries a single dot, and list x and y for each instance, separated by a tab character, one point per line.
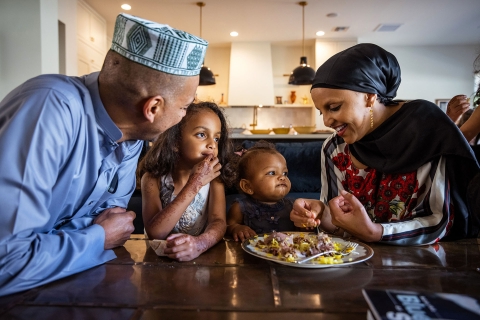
424	22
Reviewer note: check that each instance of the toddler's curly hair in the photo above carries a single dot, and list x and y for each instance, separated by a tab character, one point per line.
243	161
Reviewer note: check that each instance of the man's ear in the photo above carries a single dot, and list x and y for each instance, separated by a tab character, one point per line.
245	186
153	107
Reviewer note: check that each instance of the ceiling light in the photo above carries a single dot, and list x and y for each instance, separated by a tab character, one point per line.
234	33
207	77
320	33
126	6
303	74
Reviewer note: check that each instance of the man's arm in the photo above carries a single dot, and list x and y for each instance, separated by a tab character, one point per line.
41	239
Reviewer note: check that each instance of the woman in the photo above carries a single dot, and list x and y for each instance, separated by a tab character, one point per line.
405	164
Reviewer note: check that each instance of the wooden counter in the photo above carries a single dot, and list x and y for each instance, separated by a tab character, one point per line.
227	283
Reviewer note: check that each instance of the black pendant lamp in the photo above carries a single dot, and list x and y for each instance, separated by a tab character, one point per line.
302	75
207	78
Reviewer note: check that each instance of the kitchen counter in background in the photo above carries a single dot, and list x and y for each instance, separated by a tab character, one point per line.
312	136
238	138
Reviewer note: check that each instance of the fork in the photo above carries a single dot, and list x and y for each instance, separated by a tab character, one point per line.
349	248
315	256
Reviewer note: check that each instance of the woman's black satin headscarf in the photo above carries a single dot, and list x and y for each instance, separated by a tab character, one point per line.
363	68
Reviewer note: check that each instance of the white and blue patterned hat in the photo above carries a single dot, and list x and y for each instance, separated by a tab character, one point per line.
158	46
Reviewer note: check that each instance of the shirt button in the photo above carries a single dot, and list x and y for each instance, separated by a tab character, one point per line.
90	203
273	218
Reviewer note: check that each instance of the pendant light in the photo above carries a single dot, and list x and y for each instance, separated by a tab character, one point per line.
303	74
207	77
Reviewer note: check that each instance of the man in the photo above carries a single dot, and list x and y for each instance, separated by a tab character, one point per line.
70	147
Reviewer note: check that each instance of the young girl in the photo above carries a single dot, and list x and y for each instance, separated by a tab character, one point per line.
183	198
262	177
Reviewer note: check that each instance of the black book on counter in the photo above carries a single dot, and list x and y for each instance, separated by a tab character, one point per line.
410	305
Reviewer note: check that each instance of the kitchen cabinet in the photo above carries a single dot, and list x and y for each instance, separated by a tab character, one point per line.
91	39
89	59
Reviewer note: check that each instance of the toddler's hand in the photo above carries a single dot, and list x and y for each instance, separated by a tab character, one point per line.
183	247
205	171
242	232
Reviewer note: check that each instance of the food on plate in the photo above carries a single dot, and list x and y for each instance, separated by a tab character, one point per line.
293	247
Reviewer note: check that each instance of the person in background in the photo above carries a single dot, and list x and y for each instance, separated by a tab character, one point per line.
73	145
262	175
458	109
457	106
183	194
468	120
398	172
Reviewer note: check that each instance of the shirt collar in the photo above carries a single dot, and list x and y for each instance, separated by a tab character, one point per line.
103	119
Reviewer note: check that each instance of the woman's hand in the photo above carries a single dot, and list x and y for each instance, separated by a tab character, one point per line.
457	106
205	171
183	247
348	213
242	232
305	212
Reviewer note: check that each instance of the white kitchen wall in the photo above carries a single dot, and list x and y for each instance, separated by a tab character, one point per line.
218	60
67	13
435	72
251	76
29	41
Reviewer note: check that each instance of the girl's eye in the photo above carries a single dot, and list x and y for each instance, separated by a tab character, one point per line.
201	135
271	173
285	173
216	139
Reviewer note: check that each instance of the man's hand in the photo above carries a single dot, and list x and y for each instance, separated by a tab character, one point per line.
348	213
118	226
457	106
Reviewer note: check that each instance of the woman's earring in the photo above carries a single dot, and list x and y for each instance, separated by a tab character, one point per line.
371	117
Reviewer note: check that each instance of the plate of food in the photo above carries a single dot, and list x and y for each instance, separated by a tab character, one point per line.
296	249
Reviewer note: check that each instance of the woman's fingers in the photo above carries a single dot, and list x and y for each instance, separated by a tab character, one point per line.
304	219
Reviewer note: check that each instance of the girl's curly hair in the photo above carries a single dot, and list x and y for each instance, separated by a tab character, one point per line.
243	160
161	158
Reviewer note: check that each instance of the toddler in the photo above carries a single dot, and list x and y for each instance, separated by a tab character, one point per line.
183	197
262	177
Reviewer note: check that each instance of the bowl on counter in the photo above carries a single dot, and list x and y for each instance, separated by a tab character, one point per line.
304	129
281	130
236	130
261	131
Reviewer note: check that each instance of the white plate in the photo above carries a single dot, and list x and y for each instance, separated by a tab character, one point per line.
361	253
